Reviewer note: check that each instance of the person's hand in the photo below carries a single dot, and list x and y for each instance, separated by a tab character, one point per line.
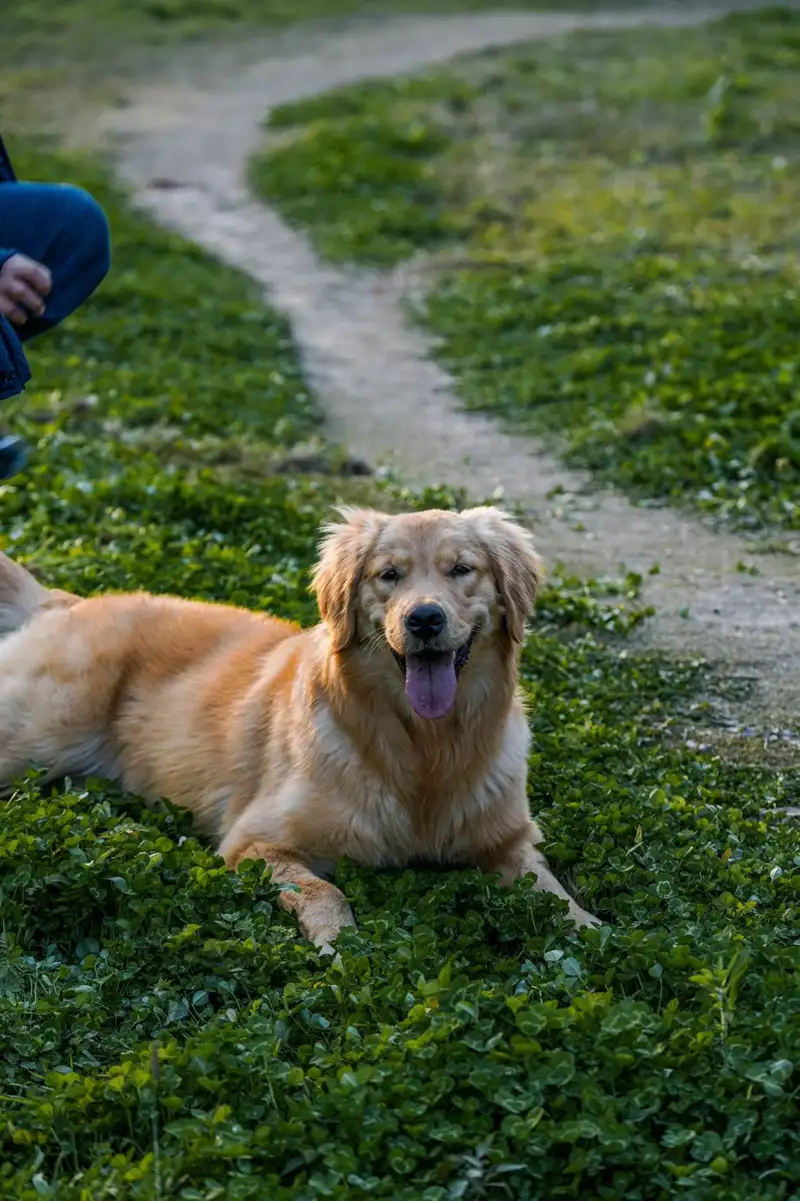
23	285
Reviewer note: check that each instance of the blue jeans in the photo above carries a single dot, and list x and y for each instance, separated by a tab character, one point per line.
66	230
63	228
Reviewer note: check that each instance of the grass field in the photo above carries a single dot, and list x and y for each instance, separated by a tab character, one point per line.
164	1032
89	30
611	224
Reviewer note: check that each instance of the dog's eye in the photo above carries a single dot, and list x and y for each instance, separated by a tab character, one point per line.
461	569
390	575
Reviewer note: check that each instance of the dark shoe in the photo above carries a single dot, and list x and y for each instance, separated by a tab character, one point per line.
13	456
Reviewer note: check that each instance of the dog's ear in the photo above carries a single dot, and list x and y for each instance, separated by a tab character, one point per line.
342	553
517	568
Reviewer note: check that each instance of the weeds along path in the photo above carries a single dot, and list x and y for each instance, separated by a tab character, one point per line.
183	143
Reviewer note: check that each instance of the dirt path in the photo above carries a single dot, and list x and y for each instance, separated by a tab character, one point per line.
183	142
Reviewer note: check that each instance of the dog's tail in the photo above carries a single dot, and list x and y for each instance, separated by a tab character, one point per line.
21	596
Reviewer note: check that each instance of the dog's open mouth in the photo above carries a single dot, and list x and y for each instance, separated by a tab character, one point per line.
431	678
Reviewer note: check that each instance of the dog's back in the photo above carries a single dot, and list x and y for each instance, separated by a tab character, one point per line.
21	596
132	687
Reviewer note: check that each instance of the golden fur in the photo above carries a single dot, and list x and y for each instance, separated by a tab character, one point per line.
300	746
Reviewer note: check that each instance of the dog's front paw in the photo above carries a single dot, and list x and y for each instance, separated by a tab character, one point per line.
582	917
322	930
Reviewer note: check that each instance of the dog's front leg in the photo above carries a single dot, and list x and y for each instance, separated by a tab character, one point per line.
322	911
520	855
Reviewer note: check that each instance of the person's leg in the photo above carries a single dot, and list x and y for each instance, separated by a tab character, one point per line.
65	229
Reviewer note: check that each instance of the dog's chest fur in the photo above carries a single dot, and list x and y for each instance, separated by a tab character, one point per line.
429	813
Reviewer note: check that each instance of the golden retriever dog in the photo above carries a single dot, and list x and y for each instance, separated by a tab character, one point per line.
391	732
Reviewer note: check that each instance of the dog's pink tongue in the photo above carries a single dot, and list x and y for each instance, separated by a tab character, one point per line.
431	683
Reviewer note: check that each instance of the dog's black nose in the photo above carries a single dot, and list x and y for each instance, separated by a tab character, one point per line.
426	621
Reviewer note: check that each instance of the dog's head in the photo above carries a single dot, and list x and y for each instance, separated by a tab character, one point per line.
427	587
